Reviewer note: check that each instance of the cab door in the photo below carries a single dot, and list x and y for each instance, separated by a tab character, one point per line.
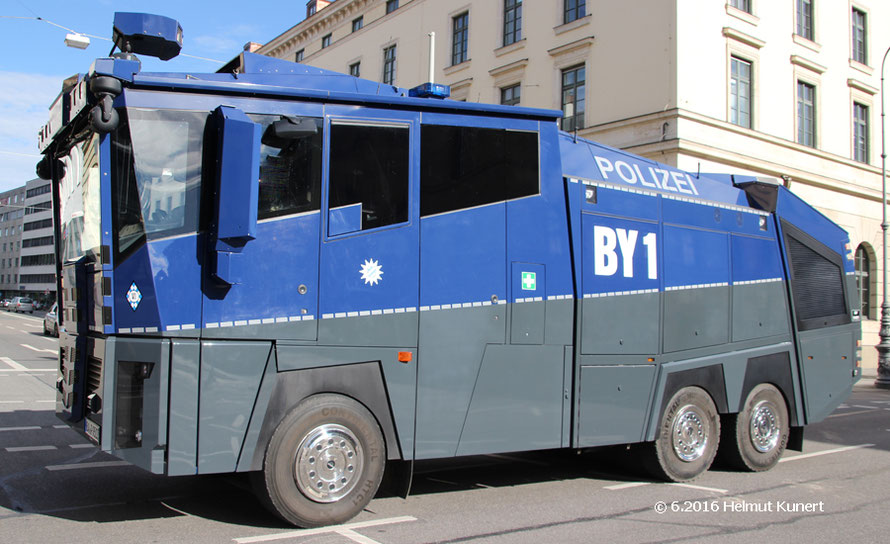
369	250
273	289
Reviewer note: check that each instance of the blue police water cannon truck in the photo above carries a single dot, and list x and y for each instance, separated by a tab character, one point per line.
315	278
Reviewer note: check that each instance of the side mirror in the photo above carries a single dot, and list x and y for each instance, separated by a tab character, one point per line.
279	133
237	191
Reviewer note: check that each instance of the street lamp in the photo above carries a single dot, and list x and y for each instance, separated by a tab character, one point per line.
883	379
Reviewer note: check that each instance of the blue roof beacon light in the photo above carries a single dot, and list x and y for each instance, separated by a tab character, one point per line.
430	90
147	34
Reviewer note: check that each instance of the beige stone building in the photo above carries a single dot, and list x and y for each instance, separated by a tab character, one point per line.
782	88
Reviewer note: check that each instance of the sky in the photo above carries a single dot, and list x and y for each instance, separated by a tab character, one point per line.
35	59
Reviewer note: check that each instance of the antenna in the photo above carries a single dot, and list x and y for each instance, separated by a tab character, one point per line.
432	78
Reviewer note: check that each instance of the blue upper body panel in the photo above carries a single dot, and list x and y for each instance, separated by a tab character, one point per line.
266	76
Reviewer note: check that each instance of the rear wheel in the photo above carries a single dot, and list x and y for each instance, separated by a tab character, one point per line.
759	431
689	432
324	462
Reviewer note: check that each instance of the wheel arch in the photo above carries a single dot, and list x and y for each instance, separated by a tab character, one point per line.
709	378
774	369
362	382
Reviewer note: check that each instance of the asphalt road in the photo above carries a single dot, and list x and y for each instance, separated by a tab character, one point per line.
57	487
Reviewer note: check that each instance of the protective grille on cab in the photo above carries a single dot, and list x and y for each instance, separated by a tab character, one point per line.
817	283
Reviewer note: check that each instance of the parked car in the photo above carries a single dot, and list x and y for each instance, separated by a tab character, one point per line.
21	304
51	322
4	303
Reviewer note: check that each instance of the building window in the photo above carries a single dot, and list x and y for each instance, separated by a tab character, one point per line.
860	43
805	18
740	93
389	65
392	5
512	21
573	9
355	69
325	41
357	24
299	56
862	265
510	95
573	98
459	33
806	114
860	132
744	5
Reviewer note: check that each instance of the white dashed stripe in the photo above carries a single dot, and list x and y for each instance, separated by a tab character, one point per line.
752	282
431	308
669	196
619	293
621	188
699	286
716	204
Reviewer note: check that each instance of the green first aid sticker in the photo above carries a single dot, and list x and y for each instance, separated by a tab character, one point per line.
529	282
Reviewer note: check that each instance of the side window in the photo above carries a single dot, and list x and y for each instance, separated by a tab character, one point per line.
369	167
463	167
290	165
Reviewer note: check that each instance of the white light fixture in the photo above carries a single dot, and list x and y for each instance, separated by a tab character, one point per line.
78	41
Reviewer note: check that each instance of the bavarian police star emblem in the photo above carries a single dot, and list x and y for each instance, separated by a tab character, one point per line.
134	296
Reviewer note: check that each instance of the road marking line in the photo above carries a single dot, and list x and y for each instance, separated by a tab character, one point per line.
13	364
850	413
76	466
26	318
701	488
54	352
825	452
12	402
355	537
864	406
30	428
626	485
81	446
30	448
322	530
28	370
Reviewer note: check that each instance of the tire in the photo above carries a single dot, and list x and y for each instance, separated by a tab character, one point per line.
346	435
755	438
689	433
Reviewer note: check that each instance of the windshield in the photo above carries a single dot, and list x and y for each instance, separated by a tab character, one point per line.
156	175
80	203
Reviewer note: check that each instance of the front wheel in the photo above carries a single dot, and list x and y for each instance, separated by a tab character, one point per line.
759	431
324	462
689	432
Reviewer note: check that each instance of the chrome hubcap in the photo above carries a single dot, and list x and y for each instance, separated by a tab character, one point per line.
690	433
764	427
328	463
